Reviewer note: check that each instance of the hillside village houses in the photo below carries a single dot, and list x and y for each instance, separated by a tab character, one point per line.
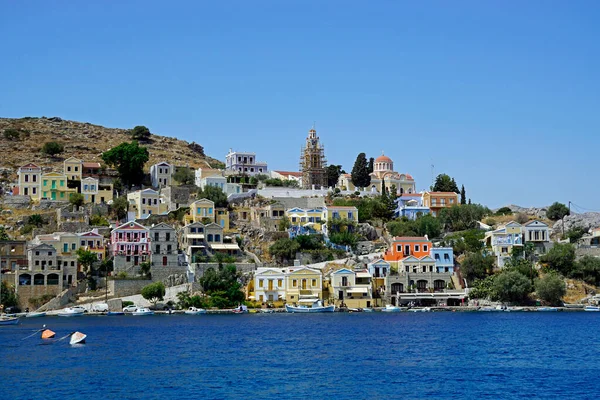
411	270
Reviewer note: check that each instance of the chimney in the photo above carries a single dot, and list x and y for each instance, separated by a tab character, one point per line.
296	263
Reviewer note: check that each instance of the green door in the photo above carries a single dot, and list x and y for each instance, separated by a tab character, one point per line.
53	195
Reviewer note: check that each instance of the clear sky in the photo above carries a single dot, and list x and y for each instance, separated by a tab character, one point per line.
502	95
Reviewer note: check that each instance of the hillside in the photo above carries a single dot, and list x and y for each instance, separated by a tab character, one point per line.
87	142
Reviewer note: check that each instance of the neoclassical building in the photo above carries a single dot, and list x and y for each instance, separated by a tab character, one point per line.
383	170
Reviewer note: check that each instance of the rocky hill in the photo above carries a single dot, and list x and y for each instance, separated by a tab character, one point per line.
86	141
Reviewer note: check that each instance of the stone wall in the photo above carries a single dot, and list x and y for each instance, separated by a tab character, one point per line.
587	251
127	287
170	276
27	292
16	201
200	268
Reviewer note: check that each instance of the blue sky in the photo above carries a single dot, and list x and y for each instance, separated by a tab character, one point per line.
504	96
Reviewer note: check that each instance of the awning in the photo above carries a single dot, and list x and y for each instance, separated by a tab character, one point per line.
195	236
363	275
358	290
225	246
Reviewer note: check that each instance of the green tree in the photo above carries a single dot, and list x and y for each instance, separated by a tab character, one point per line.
551	288
459	218
119	207
9	296
223	286
360	172
129	160
309	242
333	174
588	270
371	164
504	211
140	133
511	286
344	238
52	148
284	249
3	234
214	194
76	199
284	224
560	258
428	225
444	183
154	292
575	233
476	266
12	134
86	259
557	211
184	176
146	268
36	220
463	195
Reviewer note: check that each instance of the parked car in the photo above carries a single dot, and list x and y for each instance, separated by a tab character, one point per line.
101	307
12	310
131	308
80	308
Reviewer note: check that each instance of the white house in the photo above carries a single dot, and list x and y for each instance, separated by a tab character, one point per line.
161	173
269	284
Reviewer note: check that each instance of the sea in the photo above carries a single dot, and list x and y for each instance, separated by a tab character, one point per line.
438	355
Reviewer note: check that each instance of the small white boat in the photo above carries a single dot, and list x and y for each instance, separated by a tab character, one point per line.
72	312
317	307
547	309
195	311
266	311
390	308
9	321
514	309
143	311
35	314
367	310
77	338
423	309
592	308
491	309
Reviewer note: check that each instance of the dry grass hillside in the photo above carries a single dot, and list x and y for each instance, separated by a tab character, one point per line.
87	142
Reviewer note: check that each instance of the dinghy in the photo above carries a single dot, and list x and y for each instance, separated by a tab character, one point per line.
77	338
35	314
9	321
48	334
195	311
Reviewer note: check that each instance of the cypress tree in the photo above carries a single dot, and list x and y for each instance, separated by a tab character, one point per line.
360	172
463	195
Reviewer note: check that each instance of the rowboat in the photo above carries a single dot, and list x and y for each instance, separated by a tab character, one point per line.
143	311
317	307
424	309
9	321
77	338
367	310
48	334
390	308
195	311
35	314
266	311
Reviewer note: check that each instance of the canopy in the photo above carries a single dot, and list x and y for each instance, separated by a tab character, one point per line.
363	275
358	290
225	246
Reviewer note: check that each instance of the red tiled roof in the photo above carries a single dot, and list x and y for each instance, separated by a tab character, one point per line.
443	193
409	238
91	165
290	173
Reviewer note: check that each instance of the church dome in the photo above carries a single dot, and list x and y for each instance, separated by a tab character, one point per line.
383	163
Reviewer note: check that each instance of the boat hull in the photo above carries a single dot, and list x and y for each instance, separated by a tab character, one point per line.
35	315
194	312
77	338
391	309
308	310
9	321
592	309
113	313
70	314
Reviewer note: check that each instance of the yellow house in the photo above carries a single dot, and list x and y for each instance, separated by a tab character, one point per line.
346	213
146	202
201	209
312	218
72	168
54	187
503	240
94	192
222	218
303	284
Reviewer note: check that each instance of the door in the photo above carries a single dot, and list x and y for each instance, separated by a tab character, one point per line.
53	196
303	283
270	284
341	295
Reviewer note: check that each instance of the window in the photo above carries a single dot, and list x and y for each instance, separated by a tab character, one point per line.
168	236
313	283
72	263
406	249
143	200
34	190
73	245
69	169
294	283
446	257
417	247
260	283
50	253
437	257
76	169
37	253
425	247
156	236
192	230
164	260
407	268
37	262
34	178
280	283
26	178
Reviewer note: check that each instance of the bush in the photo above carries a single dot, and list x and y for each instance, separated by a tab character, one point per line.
52	148
98	220
184	176
127	303
12	134
560	258
521	218
140	133
476	266
504	211
344	238
511	286
587	269
76	199
551	288
557	211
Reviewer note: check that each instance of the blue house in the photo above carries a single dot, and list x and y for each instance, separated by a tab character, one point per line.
410	205
379	268
444	259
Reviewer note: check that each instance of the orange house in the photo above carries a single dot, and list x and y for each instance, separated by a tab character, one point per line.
408	246
438	200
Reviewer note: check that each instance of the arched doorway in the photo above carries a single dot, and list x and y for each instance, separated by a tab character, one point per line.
25	280
397	288
38	279
52	279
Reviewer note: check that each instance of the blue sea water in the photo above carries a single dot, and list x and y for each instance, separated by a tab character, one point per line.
292	356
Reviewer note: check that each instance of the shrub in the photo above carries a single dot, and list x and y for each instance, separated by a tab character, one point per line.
76	199
504	211
127	303
551	288
12	134
52	148
140	133
511	286
557	211
490	221
154	292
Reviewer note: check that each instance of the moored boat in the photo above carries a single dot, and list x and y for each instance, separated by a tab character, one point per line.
143	311
316	307
515	309
35	314
195	311
9	321
71	312
547	309
77	338
592	308
48	334
421	309
113	313
367	310
390	308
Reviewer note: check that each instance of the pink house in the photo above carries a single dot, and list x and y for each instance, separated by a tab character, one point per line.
130	245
